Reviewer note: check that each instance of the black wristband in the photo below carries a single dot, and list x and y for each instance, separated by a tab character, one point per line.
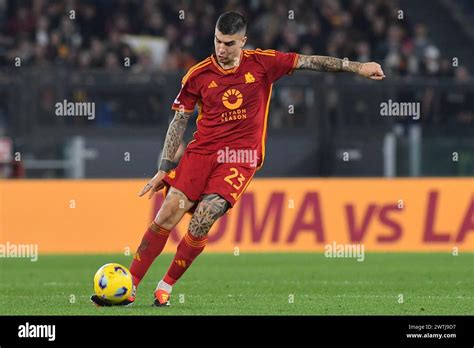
166	165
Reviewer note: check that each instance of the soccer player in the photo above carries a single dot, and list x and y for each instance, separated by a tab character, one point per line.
232	89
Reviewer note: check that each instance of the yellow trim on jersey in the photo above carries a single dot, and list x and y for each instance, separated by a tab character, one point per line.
177	108
267	50
202	64
261	52
227	71
295	63
265	127
199	117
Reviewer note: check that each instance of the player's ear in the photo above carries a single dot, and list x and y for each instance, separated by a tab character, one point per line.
244	40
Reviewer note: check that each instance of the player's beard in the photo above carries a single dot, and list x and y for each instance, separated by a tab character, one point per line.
227	60
225	63
223	60
231	61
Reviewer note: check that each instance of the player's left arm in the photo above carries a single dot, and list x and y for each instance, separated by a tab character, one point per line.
370	70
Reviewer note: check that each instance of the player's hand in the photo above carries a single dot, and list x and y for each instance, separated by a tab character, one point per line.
154	185
372	71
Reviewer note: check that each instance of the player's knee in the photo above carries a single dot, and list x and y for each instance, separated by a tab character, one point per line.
172	210
165	217
209	209
199	229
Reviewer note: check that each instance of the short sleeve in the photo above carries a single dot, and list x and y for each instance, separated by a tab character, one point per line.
280	64
187	96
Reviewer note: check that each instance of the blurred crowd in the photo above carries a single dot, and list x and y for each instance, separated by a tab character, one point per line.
94	35
89	34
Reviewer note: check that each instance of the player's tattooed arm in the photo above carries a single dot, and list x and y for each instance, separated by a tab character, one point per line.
371	70
324	63
173	139
209	209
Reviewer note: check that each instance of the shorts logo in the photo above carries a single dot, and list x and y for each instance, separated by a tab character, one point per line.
172	174
232	98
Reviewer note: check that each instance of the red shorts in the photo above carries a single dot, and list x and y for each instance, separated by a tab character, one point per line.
197	175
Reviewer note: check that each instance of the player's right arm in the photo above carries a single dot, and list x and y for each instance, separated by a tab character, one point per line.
183	106
173	139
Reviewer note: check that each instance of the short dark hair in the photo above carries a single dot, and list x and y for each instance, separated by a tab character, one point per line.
230	23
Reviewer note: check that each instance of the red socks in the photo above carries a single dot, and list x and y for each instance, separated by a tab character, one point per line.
151	246
188	249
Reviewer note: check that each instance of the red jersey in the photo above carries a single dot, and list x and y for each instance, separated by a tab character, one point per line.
233	103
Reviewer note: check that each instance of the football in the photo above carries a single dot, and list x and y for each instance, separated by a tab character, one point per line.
113	283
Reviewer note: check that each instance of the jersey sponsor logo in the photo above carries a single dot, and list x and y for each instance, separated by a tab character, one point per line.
232	99
240	114
249	78
213	84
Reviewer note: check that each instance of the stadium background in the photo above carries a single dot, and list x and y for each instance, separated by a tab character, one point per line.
335	168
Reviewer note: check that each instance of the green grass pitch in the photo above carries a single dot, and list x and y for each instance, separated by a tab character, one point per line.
253	284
